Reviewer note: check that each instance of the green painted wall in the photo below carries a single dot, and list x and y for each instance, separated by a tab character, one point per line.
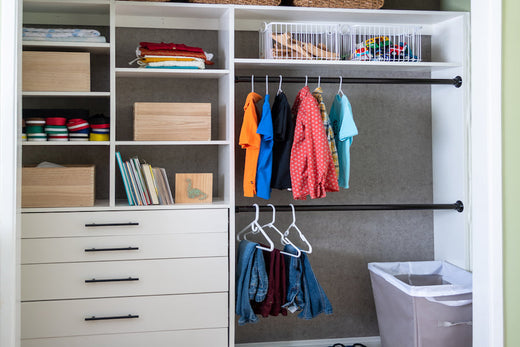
455	5
511	167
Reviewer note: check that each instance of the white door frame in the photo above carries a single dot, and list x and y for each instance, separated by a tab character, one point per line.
486	173
486	185
9	244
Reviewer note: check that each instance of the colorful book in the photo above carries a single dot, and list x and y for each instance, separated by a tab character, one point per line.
138	169
138	182
135	190
125	178
147	175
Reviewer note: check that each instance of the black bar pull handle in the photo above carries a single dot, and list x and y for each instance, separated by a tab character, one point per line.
130	316
111	249
126	279
92	225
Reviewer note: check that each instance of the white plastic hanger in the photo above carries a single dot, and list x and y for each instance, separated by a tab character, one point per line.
255	228
293	225
283	239
279	86
252	83
340	92
306	78
319	80
266	85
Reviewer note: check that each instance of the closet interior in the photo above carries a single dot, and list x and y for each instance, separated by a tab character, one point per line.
412	150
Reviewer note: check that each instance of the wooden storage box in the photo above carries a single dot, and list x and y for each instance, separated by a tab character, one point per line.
70	186
56	71
193	188
172	121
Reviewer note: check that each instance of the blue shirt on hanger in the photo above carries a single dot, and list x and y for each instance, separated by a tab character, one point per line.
265	158
344	131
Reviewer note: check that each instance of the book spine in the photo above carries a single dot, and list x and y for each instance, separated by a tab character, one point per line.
125	179
134	184
160	186
167	186
145	172
142	181
138	183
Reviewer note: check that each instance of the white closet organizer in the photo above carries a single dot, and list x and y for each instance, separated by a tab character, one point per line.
114	275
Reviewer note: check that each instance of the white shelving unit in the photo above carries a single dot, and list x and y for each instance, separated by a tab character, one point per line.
451	136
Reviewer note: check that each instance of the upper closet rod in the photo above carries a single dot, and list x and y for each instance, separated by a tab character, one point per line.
458	206
457	81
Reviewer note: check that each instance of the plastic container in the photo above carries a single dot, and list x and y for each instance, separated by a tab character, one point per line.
422	304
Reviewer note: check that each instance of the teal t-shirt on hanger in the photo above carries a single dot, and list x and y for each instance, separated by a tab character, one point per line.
344	129
265	158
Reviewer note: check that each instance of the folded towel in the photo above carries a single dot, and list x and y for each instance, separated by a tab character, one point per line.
54	32
197	64
97	39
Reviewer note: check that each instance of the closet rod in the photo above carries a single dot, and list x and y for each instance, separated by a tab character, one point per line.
458	206
457	81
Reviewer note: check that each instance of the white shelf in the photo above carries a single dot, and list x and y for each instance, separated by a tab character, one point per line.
335	64
68	94
172	143
121	205
66	12
65	143
92	47
170	73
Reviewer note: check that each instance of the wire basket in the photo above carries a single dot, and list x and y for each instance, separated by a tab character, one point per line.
370	4
399	43
306	41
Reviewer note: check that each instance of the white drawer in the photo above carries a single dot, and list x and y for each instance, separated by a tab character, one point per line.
124	278
154	313
69	224
102	248
185	338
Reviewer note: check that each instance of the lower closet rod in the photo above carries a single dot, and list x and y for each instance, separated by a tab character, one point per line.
458	206
457	81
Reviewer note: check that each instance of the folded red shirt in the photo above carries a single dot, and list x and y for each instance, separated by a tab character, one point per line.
154	46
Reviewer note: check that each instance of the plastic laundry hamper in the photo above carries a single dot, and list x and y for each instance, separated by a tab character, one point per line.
422	304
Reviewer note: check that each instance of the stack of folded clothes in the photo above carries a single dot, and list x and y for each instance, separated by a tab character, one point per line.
62	35
171	56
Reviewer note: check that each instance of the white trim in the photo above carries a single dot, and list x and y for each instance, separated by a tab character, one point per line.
9	245
370	341
486	174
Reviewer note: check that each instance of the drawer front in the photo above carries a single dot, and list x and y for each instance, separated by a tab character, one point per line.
36	225
191	338
142	314
124	278
103	248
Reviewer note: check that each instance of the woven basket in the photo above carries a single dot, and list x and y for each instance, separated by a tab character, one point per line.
239	2
371	4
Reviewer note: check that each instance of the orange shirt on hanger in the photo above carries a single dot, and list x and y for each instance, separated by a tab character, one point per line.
250	141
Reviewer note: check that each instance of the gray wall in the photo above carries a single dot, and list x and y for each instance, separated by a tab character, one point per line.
390	163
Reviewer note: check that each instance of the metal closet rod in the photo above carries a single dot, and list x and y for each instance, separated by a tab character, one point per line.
458	206
456	81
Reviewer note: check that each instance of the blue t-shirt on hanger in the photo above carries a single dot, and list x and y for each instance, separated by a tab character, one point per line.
265	158
344	129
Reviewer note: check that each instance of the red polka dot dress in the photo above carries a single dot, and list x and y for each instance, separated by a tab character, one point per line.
311	166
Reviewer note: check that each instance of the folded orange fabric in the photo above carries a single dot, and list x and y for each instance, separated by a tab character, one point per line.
167	52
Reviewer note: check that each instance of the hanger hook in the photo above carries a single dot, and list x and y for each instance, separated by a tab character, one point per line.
266	84
280	85
293	214
274	213
257	212
319	80
306	80
252	83
340	83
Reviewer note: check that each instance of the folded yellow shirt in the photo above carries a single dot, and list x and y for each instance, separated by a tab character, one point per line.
155	60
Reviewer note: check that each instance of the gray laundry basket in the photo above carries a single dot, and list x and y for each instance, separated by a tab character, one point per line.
422	304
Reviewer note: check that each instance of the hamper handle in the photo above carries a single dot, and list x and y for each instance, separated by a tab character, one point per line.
453	303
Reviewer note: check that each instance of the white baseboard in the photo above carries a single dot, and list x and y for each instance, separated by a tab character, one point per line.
370	341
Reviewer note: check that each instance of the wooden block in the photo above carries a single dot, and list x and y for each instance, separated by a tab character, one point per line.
56	71
170	121
69	186
193	188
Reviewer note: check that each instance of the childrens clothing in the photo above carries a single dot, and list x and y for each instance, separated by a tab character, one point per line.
283	127
311	165
344	130
250	141
265	158
317	93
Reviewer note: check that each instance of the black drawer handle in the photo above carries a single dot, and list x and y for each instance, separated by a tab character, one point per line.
91	225
113	280
112	317
111	249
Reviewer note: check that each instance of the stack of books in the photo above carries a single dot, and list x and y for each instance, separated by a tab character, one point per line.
144	184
